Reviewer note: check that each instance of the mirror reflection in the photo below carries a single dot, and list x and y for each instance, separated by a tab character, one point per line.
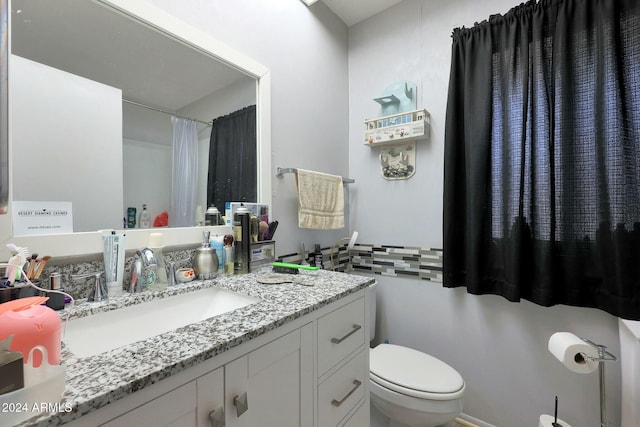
92	98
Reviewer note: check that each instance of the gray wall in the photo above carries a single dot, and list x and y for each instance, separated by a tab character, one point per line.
500	348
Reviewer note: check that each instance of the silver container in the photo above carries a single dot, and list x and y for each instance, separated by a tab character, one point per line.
205	260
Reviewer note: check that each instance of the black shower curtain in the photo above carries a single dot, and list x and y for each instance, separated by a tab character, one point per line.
233	159
542	156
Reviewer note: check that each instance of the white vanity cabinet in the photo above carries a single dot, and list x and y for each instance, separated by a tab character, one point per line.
174	409
273	385
343	366
312	371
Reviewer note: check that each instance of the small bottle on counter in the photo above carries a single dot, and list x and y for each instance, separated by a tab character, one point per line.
131	217
317	257
228	254
145	218
56	301
241	240
212	216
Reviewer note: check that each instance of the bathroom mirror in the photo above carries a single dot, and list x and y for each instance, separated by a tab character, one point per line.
160	65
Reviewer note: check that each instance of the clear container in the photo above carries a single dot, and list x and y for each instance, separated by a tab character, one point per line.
43	385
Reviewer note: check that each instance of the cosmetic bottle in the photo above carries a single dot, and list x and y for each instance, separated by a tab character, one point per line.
212	216
217	243
241	240
131	217
145	217
228	255
317	257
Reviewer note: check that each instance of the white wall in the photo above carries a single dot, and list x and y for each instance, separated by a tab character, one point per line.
498	347
71	126
147	177
306	52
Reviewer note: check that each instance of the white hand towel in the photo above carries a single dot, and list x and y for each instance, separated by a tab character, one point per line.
320	200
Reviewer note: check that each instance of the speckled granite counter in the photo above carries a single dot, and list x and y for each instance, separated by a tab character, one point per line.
95	381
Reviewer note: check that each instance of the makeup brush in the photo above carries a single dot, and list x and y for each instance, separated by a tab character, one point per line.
32	265
41	264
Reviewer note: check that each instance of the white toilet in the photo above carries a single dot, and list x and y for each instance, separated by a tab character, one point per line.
410	387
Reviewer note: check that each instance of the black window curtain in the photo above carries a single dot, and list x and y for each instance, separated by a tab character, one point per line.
233	159
542	156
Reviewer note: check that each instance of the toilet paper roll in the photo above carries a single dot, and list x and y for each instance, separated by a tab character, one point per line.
547	421
570	350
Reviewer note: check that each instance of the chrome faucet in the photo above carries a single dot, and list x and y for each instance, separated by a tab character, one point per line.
171	270
143	270
98	291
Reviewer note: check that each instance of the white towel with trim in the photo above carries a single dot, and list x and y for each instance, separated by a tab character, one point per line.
320	200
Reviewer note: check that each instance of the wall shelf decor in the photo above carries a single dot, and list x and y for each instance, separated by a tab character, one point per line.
397	128
398	161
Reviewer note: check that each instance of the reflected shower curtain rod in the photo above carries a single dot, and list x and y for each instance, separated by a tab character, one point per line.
281	171
159	110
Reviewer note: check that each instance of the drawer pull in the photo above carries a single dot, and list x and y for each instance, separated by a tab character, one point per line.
337	403
242	404
355	329
216	418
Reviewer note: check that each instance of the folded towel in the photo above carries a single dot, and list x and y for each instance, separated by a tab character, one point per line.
320	200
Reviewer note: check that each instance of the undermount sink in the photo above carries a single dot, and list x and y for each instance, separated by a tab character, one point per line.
97	333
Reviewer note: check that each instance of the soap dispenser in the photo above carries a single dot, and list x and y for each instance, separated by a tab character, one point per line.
205	260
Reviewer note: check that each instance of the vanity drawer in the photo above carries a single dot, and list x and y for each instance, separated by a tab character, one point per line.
345	388
339	334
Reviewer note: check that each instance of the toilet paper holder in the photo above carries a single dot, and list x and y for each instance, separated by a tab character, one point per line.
603	356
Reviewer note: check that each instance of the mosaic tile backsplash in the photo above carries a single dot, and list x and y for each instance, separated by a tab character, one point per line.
399	261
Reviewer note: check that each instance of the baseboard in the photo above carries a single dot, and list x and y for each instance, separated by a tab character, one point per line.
475	421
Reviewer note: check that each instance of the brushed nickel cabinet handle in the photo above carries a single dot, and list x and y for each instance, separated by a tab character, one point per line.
242	404
355	329
216	418
337	403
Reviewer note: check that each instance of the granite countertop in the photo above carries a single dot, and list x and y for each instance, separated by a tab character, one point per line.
95	381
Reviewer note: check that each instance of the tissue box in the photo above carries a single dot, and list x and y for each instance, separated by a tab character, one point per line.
11	371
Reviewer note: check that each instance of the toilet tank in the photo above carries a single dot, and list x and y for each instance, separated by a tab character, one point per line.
630	371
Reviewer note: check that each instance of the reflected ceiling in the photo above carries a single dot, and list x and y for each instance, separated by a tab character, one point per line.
68	35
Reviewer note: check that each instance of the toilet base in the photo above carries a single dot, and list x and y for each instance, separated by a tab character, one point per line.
412	412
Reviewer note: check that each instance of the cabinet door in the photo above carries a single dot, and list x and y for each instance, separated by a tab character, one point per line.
360	418
275	381
174	409
210	388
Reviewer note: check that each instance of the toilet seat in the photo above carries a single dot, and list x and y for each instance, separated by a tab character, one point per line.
413	373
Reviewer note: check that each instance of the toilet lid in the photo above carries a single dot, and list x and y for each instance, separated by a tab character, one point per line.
412	372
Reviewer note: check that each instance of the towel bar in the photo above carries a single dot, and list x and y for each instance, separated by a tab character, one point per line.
281	171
